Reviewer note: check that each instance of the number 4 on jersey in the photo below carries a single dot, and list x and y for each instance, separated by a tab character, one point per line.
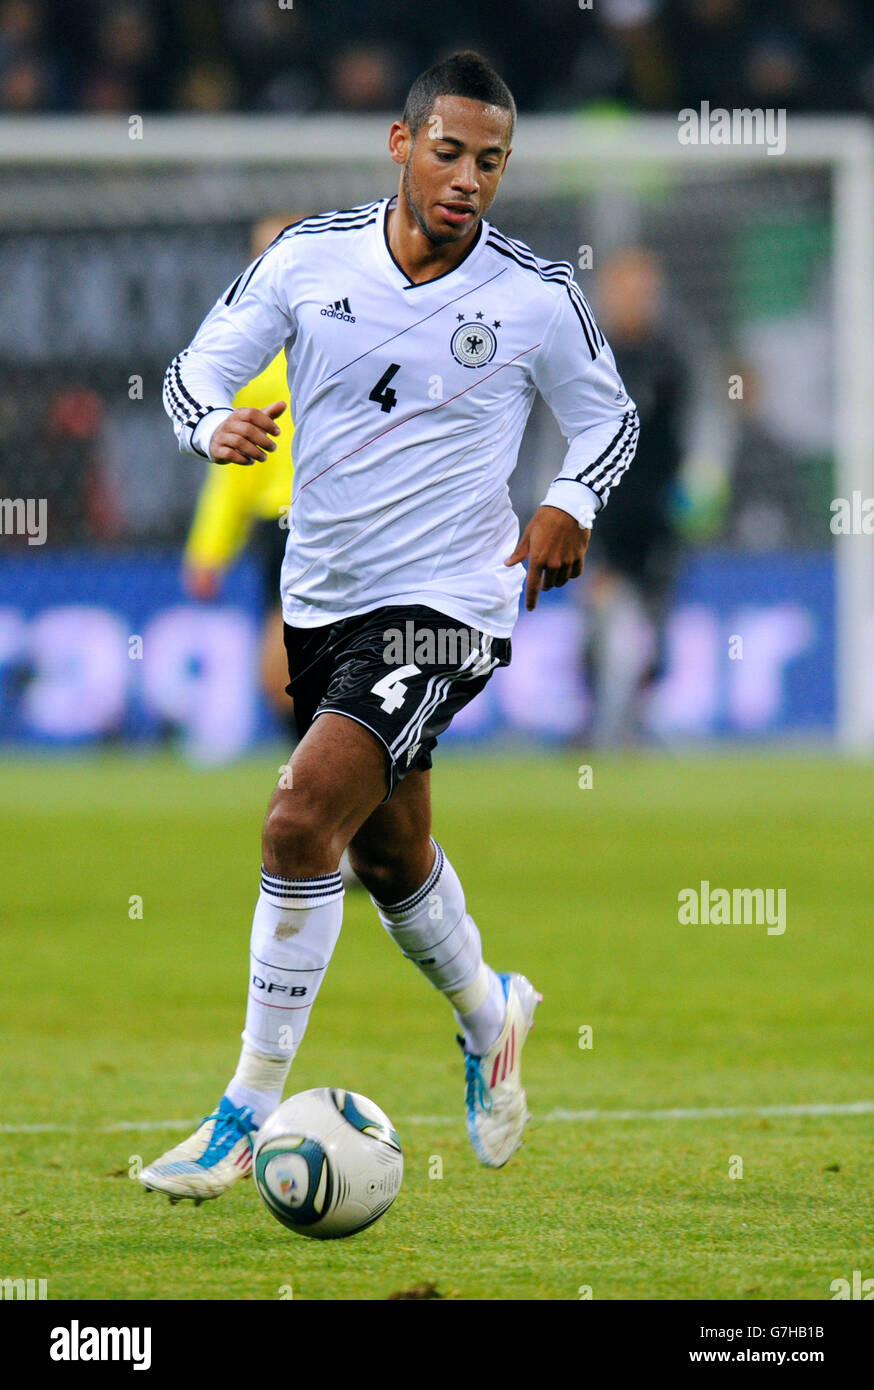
392	688
384	395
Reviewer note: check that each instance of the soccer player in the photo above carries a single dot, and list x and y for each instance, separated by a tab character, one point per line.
416	337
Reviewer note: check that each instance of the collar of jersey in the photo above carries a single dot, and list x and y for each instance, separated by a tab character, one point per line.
401	276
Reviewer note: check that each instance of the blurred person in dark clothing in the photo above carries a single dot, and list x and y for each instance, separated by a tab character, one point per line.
777	498
635	546
25	84
66	457
30	77
622	56
777	72
365	77
206	87
837	41
708	40
129	54
278	53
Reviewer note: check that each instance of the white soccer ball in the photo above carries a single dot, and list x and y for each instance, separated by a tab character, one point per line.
327	1163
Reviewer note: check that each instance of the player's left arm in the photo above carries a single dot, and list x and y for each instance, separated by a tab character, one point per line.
575	373
554	544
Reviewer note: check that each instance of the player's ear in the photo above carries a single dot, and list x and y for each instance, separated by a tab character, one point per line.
400	142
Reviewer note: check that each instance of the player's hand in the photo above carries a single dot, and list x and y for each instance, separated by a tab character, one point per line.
202	582
554	544
246	435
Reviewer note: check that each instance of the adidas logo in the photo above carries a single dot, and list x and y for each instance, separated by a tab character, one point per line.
339	310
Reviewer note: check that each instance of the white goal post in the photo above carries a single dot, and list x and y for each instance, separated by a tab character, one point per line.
566	153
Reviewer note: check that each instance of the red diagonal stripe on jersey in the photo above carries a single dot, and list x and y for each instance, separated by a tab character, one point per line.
380	516
426	410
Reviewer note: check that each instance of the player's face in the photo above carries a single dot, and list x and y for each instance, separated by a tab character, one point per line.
454	166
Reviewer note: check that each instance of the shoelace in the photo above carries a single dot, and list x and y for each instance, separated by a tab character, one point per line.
229	1127
477	1093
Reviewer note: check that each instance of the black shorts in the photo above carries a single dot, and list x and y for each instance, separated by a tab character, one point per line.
402	672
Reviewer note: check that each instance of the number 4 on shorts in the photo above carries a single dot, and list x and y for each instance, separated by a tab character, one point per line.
392	688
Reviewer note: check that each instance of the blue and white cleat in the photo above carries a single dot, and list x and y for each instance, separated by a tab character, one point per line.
496	1107
211	1160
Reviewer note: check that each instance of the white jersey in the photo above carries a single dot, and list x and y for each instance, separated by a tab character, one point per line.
409	402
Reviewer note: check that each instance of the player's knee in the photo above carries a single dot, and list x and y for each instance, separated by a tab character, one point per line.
296	838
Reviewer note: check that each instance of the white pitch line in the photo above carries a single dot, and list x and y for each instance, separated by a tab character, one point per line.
119	1127
715	1112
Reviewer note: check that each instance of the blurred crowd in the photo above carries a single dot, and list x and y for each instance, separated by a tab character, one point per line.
316	55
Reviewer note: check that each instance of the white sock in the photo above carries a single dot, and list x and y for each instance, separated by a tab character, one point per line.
434	931
294	932
258	1082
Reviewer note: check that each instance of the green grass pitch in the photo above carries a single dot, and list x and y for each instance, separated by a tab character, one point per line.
111	1021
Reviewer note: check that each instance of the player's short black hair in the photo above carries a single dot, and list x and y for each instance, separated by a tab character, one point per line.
465	74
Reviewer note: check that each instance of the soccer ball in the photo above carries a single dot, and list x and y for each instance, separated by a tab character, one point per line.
327	1163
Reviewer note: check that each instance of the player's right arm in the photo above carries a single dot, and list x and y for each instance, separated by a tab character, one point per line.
241	334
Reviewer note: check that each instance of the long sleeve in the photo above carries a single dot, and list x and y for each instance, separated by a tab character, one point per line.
246	328
575	373
231	499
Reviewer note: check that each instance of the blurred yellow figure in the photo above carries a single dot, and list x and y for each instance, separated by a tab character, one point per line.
233	497
238	503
